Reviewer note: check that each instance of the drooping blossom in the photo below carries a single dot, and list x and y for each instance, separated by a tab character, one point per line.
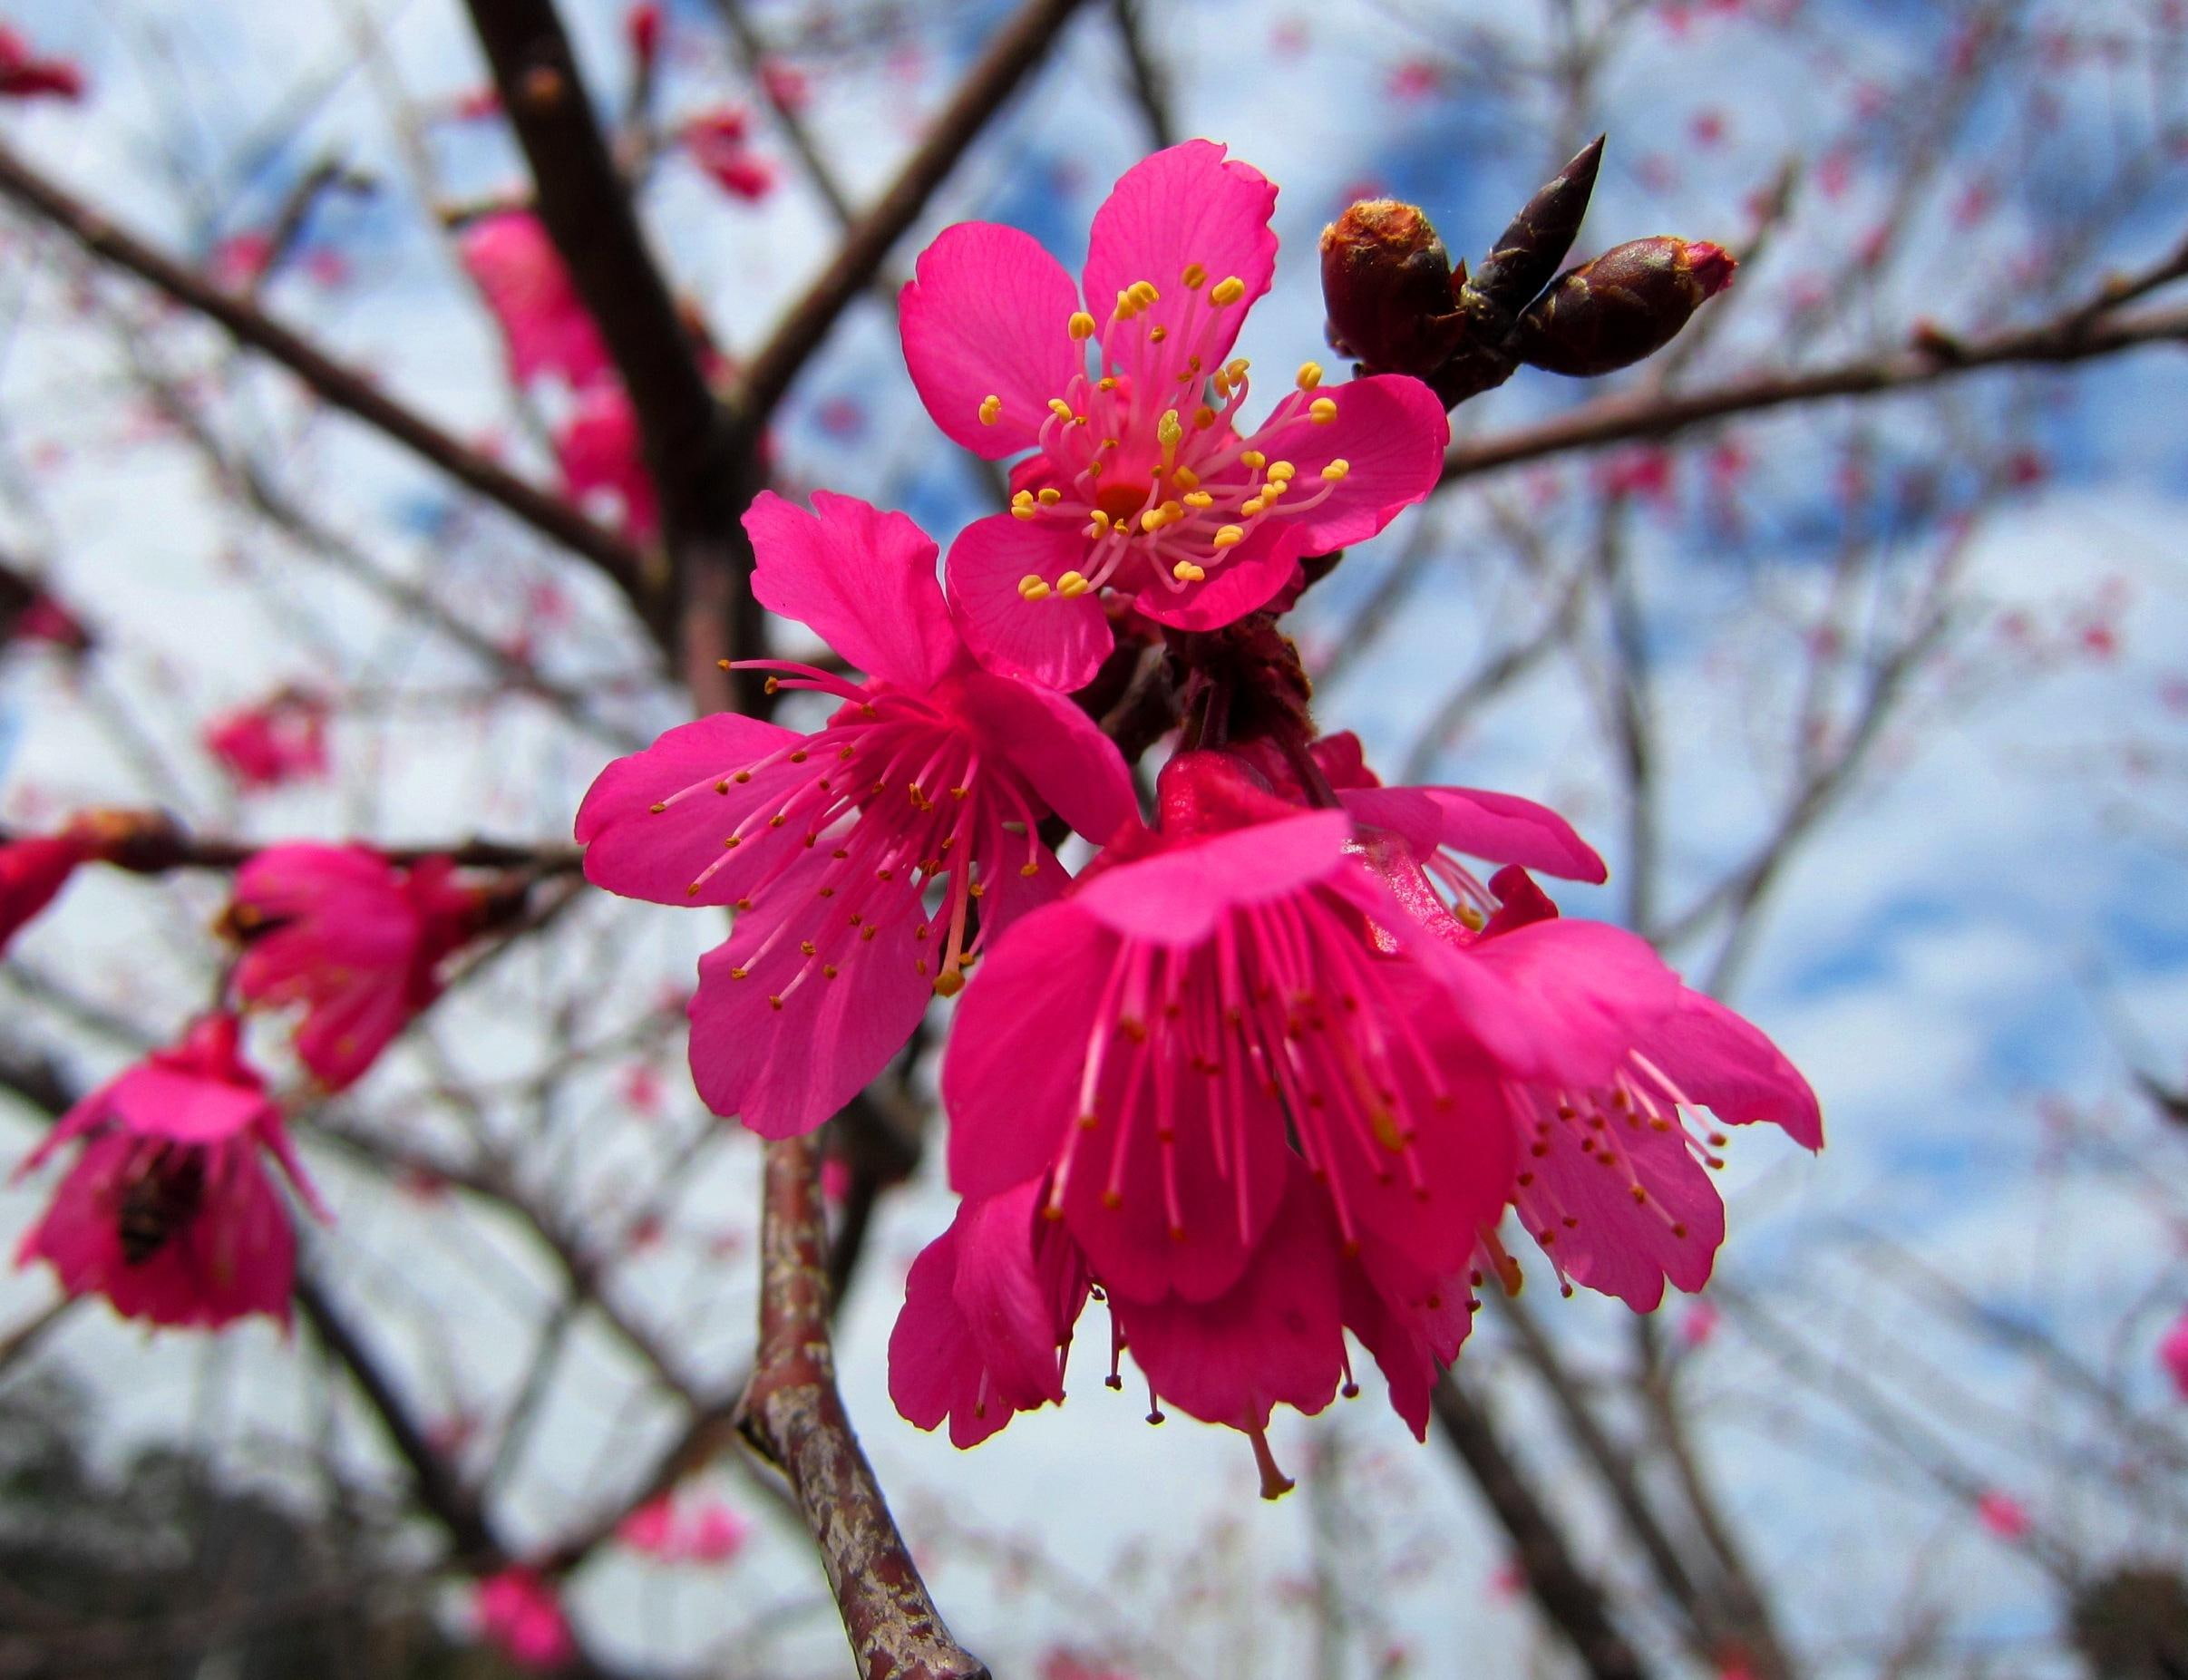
931	774
2173	1354
357	941
1145	478
520	1613
517	271
32	871
1213	1081
719	143
271	742
169	1210
26	76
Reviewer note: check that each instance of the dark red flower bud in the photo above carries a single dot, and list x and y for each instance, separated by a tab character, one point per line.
1528	252
1626	305
1388	286
642	24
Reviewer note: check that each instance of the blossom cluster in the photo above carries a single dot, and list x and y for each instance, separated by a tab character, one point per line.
1278	1060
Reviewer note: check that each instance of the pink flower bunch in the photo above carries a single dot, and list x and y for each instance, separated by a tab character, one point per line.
272	743
521	1614
708	1532
719	143
357	942
169	1210
1144	478
2173	1354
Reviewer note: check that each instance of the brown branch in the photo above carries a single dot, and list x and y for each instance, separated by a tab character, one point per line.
793	1416
1017	48
1147	83
1571	1600
344	387
1933	357
156	844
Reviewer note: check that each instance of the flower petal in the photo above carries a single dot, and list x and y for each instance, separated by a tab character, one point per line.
1055	641
1189	204
1072	765
1174	898
642	853
988	314
861	579
1390	430
1500	828
1246	579
1604	1240
1724	1063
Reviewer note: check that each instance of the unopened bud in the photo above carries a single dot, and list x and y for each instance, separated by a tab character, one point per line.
642	24
1528	252
1626	305
1387	284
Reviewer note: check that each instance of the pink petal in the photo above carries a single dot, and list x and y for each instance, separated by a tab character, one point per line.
1075	769
642	853
1411	1322
1174	898
1007	1311
934	1366
1500	828
782	1070
988	314
1276	1339
1614	1245
1722	1062
1057	643
1249	578
1010	1073
862	579
1189	204
1560	1001
158	1101
1391	431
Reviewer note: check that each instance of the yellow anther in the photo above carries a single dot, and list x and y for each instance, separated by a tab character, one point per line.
1152	520
1254	459
1061	409
1203	417
1107	384
1235	369
1081	325
1322	410
1071	585
1199	499
1172	512
1228	292
1223	384
1185	478
1337	469
1032	587
1310	376
1018	499
1145	294
948	983
1049	498
1126	307
991	409
1168	429
1156	334
1185	571
1273	489
1101	524
1025	511
1193	276
1230	535
1253	507
1282	472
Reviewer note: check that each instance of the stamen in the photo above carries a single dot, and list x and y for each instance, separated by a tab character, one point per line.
1310	376
991	409
1225	293
1322	410
1081	325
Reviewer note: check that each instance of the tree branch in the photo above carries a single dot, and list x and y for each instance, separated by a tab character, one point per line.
344	387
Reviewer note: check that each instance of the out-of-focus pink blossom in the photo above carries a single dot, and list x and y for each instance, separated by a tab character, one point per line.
603	463
33	870
517	271
271	744
718	143
642	29
24	75
169	1211
1141	481
2003	1515
786	85
521	1615
2173	1354
357	942
707	1532
1698	1324
240	261
44	619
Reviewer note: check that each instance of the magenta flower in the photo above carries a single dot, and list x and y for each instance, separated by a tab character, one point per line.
603	462
272	744
522	1616
519	274
26	76
933	774
2173	1354
32	871
355	940
169	1211
1143	479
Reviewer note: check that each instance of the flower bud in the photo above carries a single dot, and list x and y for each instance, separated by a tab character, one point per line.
1528	252
1387	284
1626	305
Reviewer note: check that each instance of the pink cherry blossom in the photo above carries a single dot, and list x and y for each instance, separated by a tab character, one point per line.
33	873
520	1613
650	1529
515	265
44	619
2173	1354
714	1534
24	75
357	941
1141	479
169	1210
932	772
2003	1515
272	743
600	452
718	143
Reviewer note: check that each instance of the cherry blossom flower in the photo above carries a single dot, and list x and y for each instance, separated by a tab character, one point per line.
169	1211
1142	480
2003	1515
601	454
708	1533
272	743
718	143
546	328
520	1613
2173	1354
357	941
931	774
33	873
24	75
